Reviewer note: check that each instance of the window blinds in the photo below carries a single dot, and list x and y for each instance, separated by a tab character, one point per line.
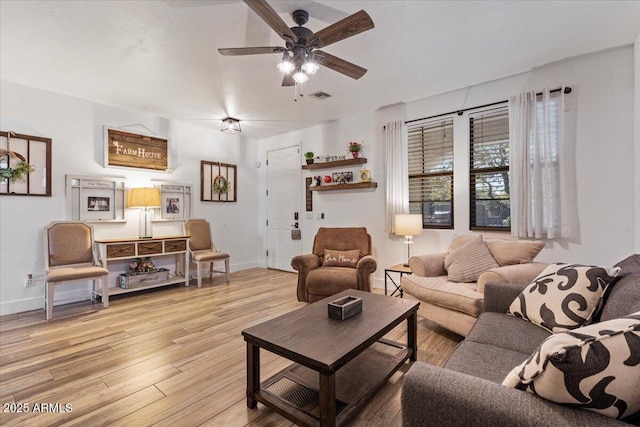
489	169
430	157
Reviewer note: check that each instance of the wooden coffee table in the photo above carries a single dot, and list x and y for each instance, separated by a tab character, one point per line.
339	364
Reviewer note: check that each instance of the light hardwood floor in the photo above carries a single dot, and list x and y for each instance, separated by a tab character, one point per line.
169	357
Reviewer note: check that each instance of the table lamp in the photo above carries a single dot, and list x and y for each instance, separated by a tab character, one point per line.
408	226
144	199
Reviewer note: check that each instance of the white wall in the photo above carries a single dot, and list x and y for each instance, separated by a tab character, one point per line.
341	208
608	177
636	138
76	128
601	115
601	122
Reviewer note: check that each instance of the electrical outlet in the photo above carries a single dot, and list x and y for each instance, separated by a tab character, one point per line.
28	281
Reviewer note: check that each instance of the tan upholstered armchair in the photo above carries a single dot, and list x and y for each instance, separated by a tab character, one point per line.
69	256
341	259
202	251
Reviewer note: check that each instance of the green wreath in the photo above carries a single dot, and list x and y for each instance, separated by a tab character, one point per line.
220	185
19	171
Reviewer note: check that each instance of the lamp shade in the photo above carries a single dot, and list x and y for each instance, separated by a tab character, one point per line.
144	198
408	225
230	125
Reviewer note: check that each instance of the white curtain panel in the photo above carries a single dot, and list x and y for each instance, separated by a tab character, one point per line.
536	166
397	172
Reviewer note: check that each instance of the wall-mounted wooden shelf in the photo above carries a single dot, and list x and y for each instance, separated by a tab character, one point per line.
352	186
335	164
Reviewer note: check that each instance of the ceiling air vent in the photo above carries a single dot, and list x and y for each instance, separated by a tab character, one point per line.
320	95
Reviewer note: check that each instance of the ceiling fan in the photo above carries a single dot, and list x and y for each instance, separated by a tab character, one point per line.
302	53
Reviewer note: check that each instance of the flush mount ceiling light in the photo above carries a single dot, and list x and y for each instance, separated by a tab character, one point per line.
230	125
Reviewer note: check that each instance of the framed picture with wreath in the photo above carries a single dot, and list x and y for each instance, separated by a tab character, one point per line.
25	165
218	182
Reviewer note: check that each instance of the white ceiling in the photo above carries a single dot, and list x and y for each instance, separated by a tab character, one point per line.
160	56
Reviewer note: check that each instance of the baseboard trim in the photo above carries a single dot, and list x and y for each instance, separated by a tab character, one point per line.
37	302
82	294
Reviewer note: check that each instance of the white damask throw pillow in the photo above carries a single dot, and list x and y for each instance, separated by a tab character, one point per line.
596	367
563	296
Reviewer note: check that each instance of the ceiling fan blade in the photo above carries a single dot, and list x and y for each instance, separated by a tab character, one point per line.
288	80
271	17
347	27
235	51
340	65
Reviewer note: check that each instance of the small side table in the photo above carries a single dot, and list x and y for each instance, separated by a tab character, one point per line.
398	268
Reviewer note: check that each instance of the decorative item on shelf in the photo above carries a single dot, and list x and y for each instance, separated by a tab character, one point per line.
142	265
145	199
308	157
342	177
141	273
365	175
334	158
354	148
408	226
221	185
327	179
317	181
17	173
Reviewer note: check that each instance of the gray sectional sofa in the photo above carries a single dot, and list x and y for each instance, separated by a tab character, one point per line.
468	390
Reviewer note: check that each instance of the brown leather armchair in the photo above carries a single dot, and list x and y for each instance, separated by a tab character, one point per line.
317	280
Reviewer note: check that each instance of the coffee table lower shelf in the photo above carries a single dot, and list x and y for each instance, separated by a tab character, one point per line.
295	392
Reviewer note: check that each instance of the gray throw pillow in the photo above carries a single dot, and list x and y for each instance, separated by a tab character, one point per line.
624	294
468	262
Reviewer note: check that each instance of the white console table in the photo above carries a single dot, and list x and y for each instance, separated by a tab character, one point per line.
121	249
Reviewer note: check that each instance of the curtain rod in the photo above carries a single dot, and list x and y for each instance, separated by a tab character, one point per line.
567	89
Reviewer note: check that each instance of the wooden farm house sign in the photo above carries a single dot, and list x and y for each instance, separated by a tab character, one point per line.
135	150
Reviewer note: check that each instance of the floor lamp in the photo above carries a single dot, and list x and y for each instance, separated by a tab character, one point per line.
408	226
144	199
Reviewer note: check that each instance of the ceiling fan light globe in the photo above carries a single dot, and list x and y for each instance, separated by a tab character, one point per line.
310	67
300	77
286	67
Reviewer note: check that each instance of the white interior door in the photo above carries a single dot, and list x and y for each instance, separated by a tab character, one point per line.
283	196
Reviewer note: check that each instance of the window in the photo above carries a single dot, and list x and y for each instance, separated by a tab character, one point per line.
489	169
430	154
